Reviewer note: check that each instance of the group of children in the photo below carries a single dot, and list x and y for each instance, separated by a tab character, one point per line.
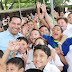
42	49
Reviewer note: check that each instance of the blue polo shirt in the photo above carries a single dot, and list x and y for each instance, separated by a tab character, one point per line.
54	44
5	37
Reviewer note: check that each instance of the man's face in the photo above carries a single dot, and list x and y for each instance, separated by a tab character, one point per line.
70	18
12	68
62	24
14	26
40	59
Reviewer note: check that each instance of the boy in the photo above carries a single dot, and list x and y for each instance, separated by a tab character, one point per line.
15	65
42	57
44	30
53	40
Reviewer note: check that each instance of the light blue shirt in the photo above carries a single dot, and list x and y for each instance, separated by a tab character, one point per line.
5	37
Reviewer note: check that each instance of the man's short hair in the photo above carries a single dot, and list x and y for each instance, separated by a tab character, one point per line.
15	17
43	48
17	62
65	19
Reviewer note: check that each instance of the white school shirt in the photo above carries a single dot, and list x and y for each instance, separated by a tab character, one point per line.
69	26
51	68
30	57
69	61
57	61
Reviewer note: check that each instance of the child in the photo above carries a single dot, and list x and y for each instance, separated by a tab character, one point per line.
24	50
54	40
55	58
33	36
15	65
44	30
42	57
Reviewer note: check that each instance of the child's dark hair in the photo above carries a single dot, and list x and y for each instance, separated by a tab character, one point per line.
36	30
44	40
44	26
1	53
33	70
60	28
43	48
23	38
17	62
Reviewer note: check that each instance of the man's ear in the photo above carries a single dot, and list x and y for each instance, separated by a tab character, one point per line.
21	70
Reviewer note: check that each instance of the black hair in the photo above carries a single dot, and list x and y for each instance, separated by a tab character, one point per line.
23	38
44	40
17	62
33	70
44	26
43	48
1	53
36	30
15	17
60	28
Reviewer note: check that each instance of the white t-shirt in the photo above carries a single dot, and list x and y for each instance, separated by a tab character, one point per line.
69	26
30	56
51	68
66	14
68	33
57	61
69	60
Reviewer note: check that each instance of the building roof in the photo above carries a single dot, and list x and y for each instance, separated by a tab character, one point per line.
17	9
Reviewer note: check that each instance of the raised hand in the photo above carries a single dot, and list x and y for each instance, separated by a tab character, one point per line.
43	7
25	56
55	14
38	5
14	46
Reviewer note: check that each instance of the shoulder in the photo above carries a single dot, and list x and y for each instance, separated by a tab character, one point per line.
47	36
51	67
2	34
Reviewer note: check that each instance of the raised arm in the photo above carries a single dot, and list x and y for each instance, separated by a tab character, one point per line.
48	18
55	14
11	47
41	15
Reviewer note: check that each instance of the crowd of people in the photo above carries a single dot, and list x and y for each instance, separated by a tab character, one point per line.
35	44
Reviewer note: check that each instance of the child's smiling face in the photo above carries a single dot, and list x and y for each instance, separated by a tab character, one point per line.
12	68
34	35
56	33
40	59
23	46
